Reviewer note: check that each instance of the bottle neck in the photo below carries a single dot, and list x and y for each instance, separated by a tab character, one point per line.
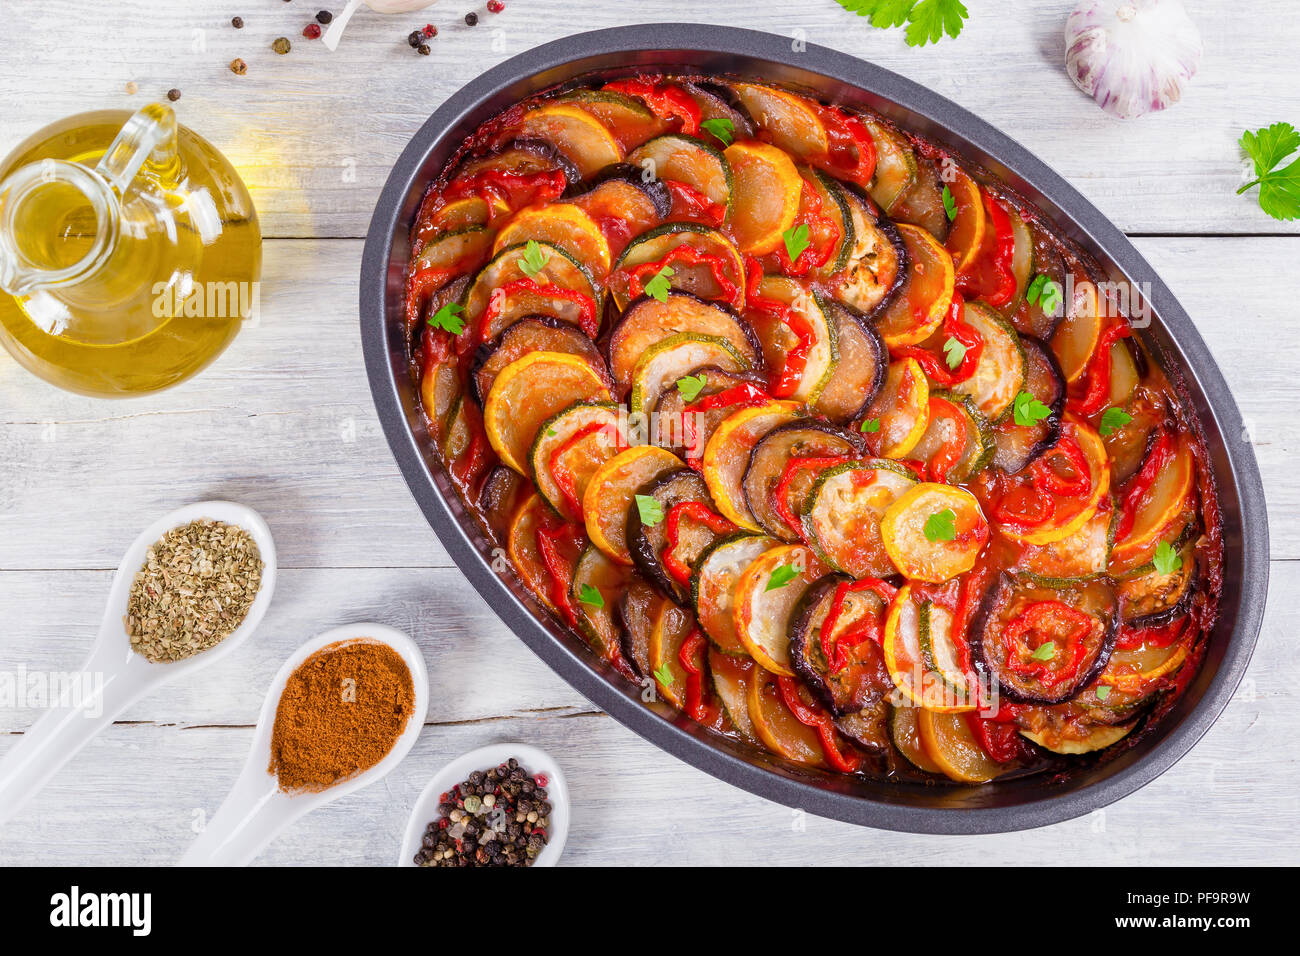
59	224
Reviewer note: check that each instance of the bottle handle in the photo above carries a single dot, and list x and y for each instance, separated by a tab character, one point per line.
149	137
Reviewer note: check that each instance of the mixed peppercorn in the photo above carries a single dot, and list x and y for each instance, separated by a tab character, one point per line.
495	817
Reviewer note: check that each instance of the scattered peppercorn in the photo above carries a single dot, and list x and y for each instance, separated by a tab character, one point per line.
311	31
237	22
430	30
495	817
173	94
471	19
132	88
415	38
238	67
423	49
496	6
325	17
281	45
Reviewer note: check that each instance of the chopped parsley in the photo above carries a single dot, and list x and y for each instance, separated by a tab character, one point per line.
533	259
658	286
796	240
690	386
650	510
589	595
954	352
448	318
949	204
720	128
1112	420
781	576
1166	559
1028	410
941	526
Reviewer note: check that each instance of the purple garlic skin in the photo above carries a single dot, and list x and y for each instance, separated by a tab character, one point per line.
1132	56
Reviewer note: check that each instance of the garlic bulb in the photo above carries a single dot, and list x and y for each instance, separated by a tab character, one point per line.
1131	56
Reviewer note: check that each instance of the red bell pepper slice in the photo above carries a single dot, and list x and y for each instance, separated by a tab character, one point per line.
1046	486
587	319
836	649
516	190
691	256
744	395
1046	619
781	492
1167	635
950	452
814	255
999	739
691	657
548	536
697	511
852	154
1158	459
937	368
1098	377
816	718
1003	280
791	372
666	100
692	205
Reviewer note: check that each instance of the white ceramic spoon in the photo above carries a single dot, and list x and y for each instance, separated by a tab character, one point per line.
257	809
126	676
533	760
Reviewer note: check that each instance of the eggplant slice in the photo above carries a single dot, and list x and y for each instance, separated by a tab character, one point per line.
863	684
800	439
1016	447
654	190
534	333
668	412
635	614
1010	594
525	154
648	541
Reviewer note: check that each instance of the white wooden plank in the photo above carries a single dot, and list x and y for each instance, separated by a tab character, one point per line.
316	133
284	421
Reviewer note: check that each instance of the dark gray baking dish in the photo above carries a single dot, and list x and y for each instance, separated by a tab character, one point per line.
1013	805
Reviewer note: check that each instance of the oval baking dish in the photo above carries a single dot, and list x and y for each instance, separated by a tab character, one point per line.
1015	803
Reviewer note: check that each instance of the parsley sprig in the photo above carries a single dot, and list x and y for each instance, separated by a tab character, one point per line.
796	240
658	286
720	128
1027	410
941	526
534	259
781	576
448	318
690	386
949	204
927	20
1279	189
954	351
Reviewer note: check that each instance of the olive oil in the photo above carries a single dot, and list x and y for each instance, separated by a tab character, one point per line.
123	272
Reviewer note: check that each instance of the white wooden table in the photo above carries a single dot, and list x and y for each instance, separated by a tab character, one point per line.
284	422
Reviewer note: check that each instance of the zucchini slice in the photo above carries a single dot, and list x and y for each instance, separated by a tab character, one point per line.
629	121
922	204
495	279
906	532
843	513
769	459
790	121
862	683
648	541
1079	557
636	611
766	192
1006	599
538	333
597	589
647	321
905	659
583	139
1154	599
877	265
1000	374
776	725
561	224
456	252
1016	447
732	674
939	650
671	626
834	202
779	340
612	490
921	303
1172	493
688	160
529	391
713	586
1075	339
766	594
697	279
948	412
895	163
690	438
900	414
905	732
726	456
667	361
859	374
576	442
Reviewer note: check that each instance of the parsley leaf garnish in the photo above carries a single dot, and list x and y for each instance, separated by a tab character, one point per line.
657	287
1166	560
1112	420
949	204
1045	652
720	128
1028	410
1279	189
448	318
870	426
796	240
781	576
533	259
1046	291
927	20
1103	691
954	351
588	594
690	386
941	526
664	674
650	510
